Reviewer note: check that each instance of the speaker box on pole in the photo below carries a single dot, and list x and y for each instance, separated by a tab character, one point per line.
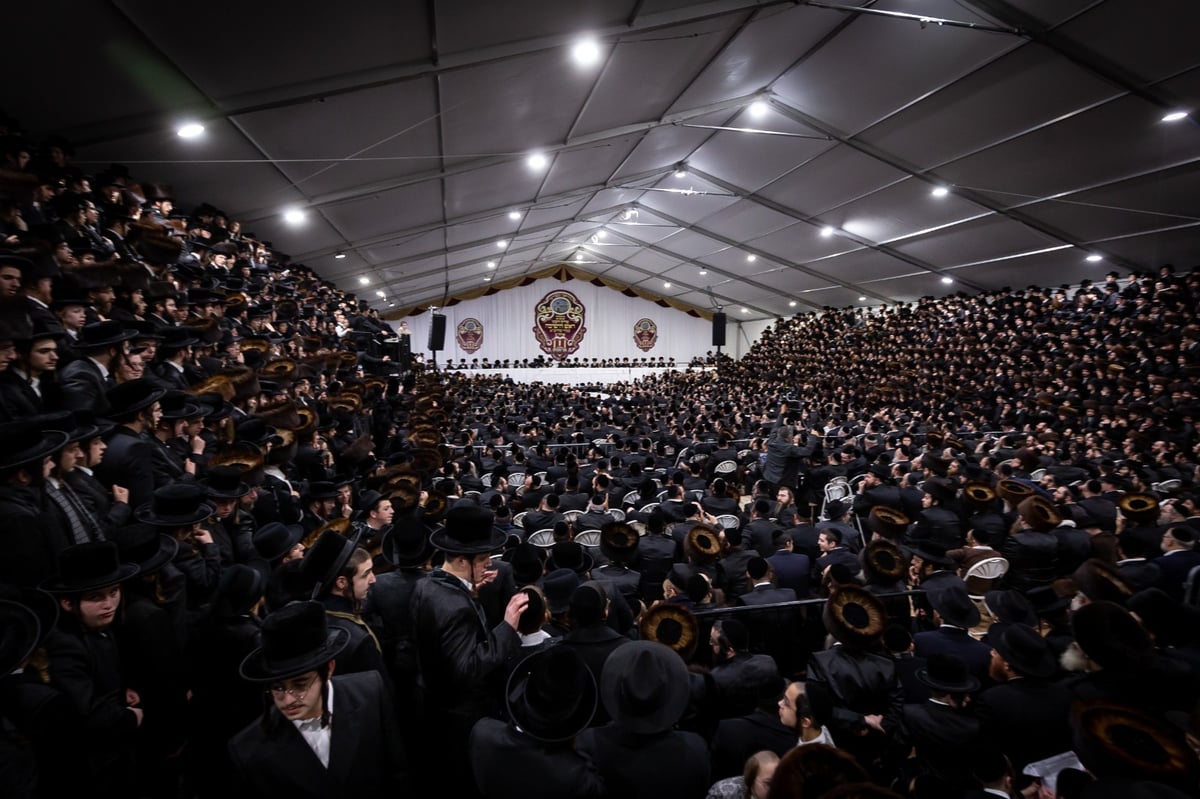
718	336
437	333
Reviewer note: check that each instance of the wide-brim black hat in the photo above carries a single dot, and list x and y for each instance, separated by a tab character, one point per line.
1023	649
406	545
933	553
103	334
239	589
180	405
947	674
175	505
296	639
86	426
854	616
469	530
672	625
1010	607
528	563
145	547
224	482
275	539
133	396
570	555
326	559
87	567
26	443
954	605
551	695
644	687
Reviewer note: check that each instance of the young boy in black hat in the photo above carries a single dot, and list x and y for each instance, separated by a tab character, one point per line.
320	735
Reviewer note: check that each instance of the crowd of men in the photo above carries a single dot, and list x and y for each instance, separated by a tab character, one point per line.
247	548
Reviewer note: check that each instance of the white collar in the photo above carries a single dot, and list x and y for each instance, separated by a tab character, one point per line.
305	725
103	369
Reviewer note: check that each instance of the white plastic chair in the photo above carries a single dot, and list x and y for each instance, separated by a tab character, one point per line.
588	538
519	519
617	514
990	569
649	506
728	521
486	479
572	515
725	467
542	538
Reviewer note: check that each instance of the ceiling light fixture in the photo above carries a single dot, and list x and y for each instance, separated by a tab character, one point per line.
189	130
514	215
827	231
364	281
666	285
487	279
380	294
339	255
704	271
502	243
759	108
391	305
947	280
537	161
1174	116
293	216
601	233
792	304
862	299
491	264
940	191
578	256
751	258
586	52
681	170
745	310
1094	257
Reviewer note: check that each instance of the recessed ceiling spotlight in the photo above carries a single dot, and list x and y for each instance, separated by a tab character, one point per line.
514	215
759	108
339	255
491	264
391	305
751	258
681	170
190	130
745	310
1175	116
862	299
364	281
947	280
578	256
537	161
586	52
666	285
940	191
601	233
502	243
704	271
1094	257
293	216
487	279
792	304
827	231
380	294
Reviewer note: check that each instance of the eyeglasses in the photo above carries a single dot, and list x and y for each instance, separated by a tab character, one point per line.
279	690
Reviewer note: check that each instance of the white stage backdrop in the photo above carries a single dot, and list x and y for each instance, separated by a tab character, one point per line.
508	318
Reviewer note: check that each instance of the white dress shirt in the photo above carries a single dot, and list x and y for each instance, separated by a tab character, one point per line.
317	737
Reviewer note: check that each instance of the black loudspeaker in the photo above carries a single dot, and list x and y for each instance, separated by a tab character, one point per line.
718	337
437	333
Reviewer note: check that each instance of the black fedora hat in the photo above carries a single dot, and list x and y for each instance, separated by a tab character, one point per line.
320	490
137	395
86	567
180	405
551	695
296	639
177	338
275	539
325	560
558	586
672	625
933	553
469	530
144	546
85	426
618	542
239	589
644	687
947	674
25	443
406	544
954	605
528	563
20	631
1009	606
175	505
103	334
570	555
854	616
1023	649
43	605
224	482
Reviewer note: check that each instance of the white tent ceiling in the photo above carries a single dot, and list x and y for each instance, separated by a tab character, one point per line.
404	129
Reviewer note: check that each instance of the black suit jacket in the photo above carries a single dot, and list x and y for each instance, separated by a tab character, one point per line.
507	763
1175	569
945	739
670	765
271	758
737	739
129	462
1029	719
765	595
83	387
958	642
791	571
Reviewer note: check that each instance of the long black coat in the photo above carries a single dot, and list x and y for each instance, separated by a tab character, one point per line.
945	739
271	758
129	462
1028	719
957	642
510	765
844	686
594	644
737	739
27	538
672	765
83	387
